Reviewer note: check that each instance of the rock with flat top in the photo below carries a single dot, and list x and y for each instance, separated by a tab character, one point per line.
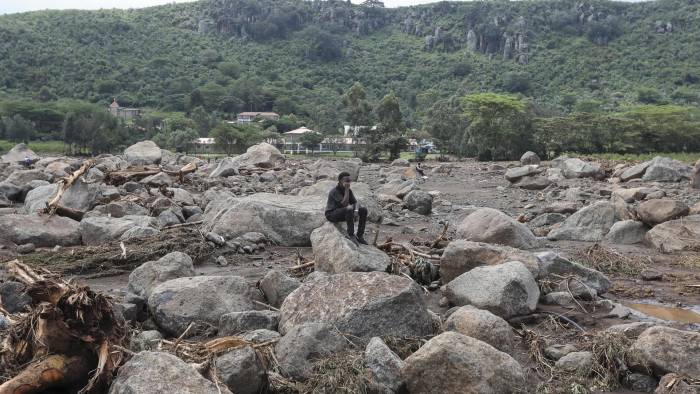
676	235
335	253
668	350
591	223
482	325
656	211
18	153
493	226
143	153
461	256
262	155
39	230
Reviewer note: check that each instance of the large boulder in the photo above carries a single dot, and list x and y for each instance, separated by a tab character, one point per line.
455	363
384	366
634	172
80	196
150	274
533	183
18	153
627	232
329	169
276	286
335	253
242	370
178	302
554	265
143	153
529	158
303	344
676	235
517	173
360	304
493	226
262	155
237	322
506	290
664	169
226	167
656	211
39	230
397	188
11	191
591	223
284	220
118	209
24	177
482	325
668	350
460	256
98	230
156	372
419	201
577	168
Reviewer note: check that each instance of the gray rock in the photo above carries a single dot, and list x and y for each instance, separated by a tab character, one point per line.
146	340
226	167
277	286
139	232
384	366
169	218
630	330
673	383
348	301
11	191
561	207
100	230
262	155
261	336
529	158
482	325
664	169
577	168
627	232
23	177
283	219
653	212
178	302
591	223
18	153
634	172
506	290
493	226
156	372
242	371
419	201
668	350
26	248
329	169
42	231
159	179
517	173
189	211
400	163
533	183
553	264
555	352
13	298
547	219
640	383
94	175
561	298
482	369
238	322
335	253
397	188
460	256
143	153
676	235
148	275
118	209
578	362
305	343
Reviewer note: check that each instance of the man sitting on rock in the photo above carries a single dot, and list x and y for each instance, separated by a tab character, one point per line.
342	206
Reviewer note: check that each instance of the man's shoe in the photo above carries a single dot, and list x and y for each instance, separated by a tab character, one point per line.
353	239
361	240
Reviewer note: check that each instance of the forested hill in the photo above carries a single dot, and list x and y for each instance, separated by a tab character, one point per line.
296	56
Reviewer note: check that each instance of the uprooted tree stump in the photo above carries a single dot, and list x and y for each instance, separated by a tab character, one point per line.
70	338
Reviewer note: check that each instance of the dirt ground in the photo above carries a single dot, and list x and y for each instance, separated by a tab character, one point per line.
468	184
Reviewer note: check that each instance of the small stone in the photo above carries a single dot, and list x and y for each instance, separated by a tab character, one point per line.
555	352
221	260
576	362
215	238
650	274
26	248
146	340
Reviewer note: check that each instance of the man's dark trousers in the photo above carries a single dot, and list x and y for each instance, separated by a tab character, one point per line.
347	215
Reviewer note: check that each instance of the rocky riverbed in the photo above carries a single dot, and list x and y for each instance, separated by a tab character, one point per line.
562	276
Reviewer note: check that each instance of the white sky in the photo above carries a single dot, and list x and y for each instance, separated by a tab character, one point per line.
10	6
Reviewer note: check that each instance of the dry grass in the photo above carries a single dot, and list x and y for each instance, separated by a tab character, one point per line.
343	372
611	262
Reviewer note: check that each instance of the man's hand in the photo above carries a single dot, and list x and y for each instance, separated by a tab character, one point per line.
346	185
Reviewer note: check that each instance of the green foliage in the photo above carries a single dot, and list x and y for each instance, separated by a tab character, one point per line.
235	138
18	129
96	131
649	96
310	141
447	125
389	134
499	125
516	82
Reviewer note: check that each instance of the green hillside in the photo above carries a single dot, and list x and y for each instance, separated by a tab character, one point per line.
300	56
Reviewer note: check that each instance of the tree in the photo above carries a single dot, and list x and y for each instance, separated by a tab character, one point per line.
311	140
649	96
322	45
499	126
447	124
391	125
358	109
182	140
18	129
235	138
515	82
335	142
45	94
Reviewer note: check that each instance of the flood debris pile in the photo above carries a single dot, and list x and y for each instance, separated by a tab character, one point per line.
238	284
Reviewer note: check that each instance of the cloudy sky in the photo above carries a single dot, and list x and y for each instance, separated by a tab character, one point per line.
10	6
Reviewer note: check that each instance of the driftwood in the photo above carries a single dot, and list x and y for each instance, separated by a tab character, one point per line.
441	238
53	207
66	340
117	178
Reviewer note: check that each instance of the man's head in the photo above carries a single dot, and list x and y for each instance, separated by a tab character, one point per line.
344	178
